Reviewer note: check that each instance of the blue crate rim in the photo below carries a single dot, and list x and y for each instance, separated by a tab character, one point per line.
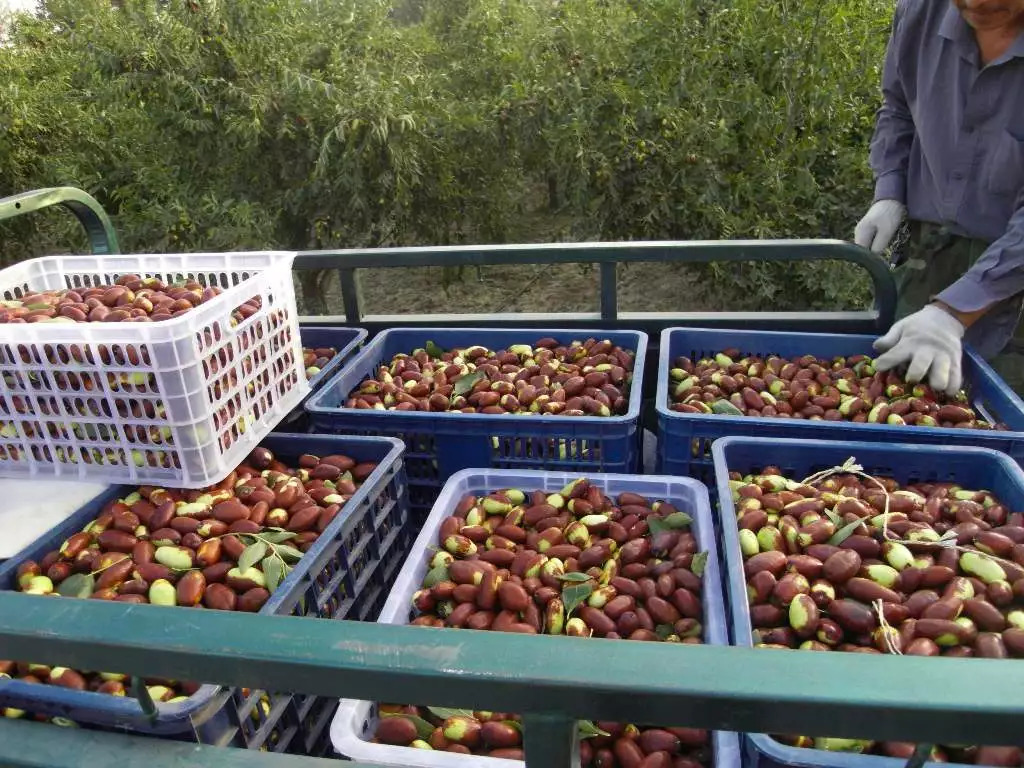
128	707
314	403
664	412
343	354
801	757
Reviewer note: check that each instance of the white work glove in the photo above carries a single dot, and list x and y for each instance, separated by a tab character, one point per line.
879	225
929	340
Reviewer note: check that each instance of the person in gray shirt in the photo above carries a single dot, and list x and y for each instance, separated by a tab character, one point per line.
948	154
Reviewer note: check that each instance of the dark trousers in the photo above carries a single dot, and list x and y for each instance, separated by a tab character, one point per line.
933	259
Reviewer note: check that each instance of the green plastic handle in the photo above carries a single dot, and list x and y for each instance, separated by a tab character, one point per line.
102	239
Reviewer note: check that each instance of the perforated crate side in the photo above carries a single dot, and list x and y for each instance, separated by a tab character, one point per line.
684	439
440	444
177	402
968	466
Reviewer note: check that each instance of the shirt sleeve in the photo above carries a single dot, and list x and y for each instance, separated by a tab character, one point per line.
894	125
998	274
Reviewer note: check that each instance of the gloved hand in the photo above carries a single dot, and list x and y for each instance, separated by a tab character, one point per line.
930	341
879	225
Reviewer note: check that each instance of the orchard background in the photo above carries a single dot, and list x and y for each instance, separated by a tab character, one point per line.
296	124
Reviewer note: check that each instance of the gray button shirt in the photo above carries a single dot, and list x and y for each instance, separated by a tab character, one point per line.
949	142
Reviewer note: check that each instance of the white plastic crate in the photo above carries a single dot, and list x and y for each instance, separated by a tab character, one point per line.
356	720
177	402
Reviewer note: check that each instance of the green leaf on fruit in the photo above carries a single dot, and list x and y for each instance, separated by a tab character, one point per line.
435	576
277	537
673	522
77	585
574	595
588	730
664	630
251	555
835	518
677	520
699	563
433	350
423	728
288	553
844	533
273	572
465	383
656	525
575	576
513	724
725	408
445	713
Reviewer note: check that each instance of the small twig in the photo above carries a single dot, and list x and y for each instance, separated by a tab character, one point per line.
887	629
852	468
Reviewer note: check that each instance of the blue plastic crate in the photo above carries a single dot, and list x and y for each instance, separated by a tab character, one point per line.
440	444
339	577
684	439
348	341
355	720
970	467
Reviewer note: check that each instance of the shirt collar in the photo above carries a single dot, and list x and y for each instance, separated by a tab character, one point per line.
958	31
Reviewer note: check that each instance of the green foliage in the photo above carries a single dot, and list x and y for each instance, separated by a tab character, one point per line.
226	124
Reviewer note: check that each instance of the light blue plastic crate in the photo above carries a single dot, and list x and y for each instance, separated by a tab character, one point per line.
979	468
343	575
684	439
440	444
355	720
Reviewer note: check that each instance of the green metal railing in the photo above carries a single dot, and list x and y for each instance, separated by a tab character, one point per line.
551	680
102	238
607	256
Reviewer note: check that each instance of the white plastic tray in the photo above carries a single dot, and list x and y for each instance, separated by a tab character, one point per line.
355	720
27	513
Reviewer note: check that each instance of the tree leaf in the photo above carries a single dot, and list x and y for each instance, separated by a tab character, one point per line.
273	572
423	728
573	595
725	408
514	724
435	575
465	383
677	520
288	553
587	730
574	576
277	537
699	562
433	350
77	585
844	533
251	555
656	525
835	518
445	713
